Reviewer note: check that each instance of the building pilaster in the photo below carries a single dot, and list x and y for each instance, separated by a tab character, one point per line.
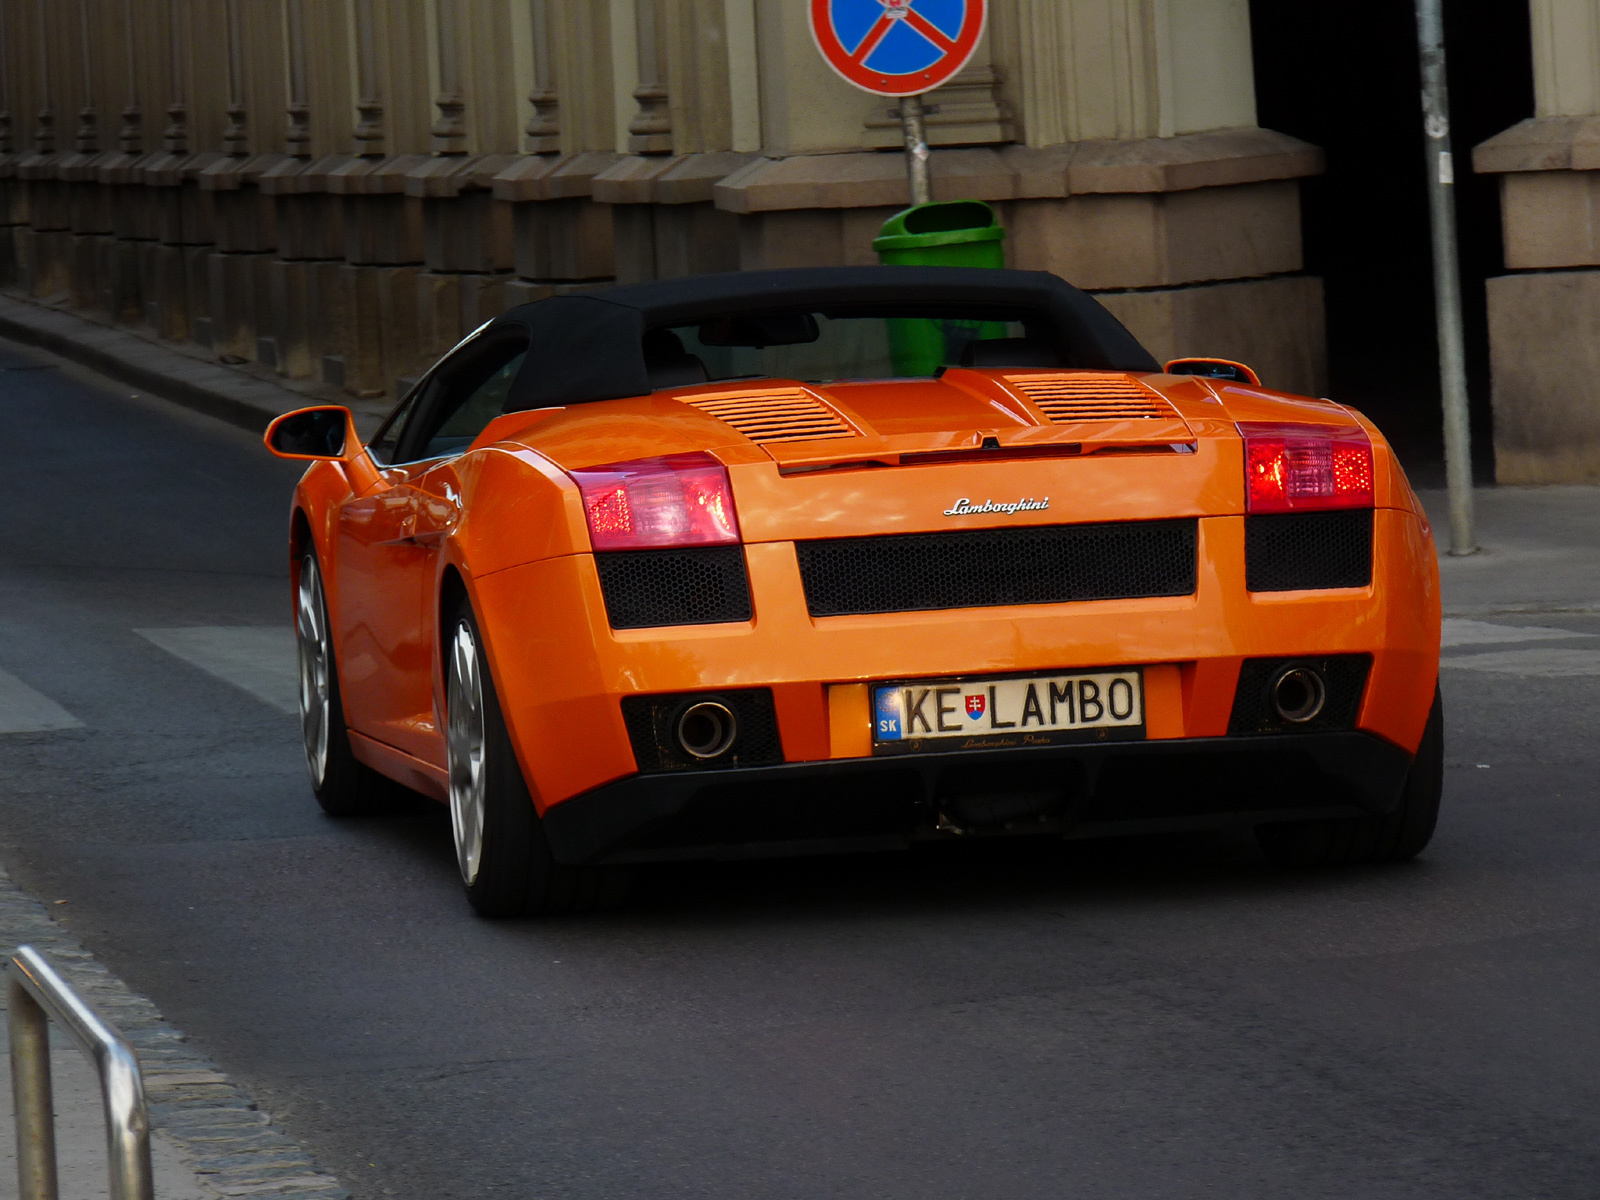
1544	358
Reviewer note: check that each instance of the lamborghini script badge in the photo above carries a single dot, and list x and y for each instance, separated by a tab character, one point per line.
966	508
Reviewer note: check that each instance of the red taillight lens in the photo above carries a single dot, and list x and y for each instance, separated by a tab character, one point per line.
1291	468
674	500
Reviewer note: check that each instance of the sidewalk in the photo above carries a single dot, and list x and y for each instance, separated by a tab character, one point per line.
1539	552
81	1135
248	395
209	1141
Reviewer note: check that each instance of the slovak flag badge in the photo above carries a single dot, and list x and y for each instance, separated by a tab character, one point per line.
975	705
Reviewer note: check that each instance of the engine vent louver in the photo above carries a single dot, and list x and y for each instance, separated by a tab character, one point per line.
1086	396
779	415
984	568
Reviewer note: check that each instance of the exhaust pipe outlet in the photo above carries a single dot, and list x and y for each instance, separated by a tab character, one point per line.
706	729
1298	695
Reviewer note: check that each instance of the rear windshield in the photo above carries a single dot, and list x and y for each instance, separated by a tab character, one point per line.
819	347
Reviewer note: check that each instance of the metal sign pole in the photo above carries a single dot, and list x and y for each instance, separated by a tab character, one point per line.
893	48
1446	275
916	149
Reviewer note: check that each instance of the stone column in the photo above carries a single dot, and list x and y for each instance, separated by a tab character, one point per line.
466	229
1545	311
698	99
650	140
303	321
650	131
377	285
543	131
13	195
246	220
133	226
91	213
666	223
562	238
174	270
236	137
43	250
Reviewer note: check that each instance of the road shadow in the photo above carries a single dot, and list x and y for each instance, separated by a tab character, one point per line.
974	876
988	877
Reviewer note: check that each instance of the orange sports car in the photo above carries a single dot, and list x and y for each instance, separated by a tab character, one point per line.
846	558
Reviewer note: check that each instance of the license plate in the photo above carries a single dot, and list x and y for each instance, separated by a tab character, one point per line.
993	713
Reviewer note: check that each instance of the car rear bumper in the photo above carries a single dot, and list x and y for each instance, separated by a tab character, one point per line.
1083	790
563	673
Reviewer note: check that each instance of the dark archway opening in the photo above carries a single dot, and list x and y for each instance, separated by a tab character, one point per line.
1345	78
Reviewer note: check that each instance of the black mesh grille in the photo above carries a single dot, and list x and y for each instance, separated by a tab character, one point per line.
652	722
982	568
1344	676
1284	552
698	586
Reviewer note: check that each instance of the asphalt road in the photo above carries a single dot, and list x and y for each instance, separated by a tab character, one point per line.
1139	1019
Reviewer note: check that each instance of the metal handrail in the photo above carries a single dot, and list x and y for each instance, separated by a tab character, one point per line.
37	993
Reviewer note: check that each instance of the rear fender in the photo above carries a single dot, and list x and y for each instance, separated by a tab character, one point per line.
538	640
516	508
1406	670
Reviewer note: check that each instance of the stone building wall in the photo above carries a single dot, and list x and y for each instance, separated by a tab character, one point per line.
339	189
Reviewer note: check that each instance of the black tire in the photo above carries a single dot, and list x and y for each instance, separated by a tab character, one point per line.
1401	835
343	786
514	873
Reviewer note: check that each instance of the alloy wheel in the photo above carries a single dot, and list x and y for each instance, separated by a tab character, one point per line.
464	745
315	654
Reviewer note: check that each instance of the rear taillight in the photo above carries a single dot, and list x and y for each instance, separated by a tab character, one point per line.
1293	468
674	500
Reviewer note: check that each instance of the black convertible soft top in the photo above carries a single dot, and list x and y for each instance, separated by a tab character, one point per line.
594	341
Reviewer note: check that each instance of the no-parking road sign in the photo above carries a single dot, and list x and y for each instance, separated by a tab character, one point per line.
897	47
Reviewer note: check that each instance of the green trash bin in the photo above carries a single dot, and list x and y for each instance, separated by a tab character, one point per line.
950	233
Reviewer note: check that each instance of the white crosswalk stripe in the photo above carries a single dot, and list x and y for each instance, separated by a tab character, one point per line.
1458	632
1548	662
23	710
260	659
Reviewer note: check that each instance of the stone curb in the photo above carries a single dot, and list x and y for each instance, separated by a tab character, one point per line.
229	1144
231	394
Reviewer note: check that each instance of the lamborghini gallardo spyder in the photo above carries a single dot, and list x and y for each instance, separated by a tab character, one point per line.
847	558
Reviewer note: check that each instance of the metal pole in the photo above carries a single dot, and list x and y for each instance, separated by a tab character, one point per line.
916	149
1446	275
31	1102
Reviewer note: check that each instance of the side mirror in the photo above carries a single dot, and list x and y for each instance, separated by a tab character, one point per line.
328	432
1214	368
